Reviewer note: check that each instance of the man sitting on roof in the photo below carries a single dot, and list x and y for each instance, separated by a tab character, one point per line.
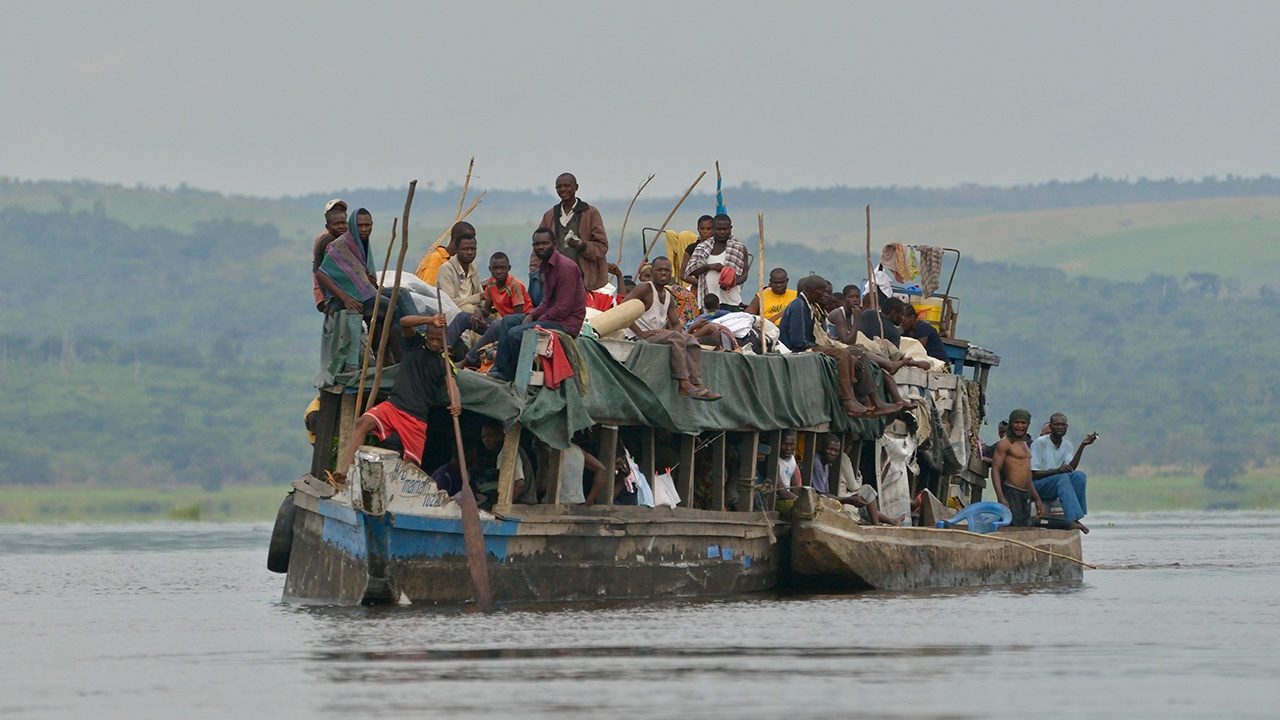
885	322
503	295
659	324
776	297
564	304
802	329
419	385
914	327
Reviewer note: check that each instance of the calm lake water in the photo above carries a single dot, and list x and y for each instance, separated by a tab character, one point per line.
1182	619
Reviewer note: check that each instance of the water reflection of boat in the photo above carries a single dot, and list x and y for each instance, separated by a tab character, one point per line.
829	550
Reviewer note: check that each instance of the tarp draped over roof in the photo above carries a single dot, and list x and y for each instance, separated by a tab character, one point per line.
770	392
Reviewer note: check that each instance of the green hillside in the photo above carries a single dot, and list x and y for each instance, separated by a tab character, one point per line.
168	338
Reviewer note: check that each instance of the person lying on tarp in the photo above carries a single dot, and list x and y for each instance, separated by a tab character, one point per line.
849	491
803	329
420	385
659	324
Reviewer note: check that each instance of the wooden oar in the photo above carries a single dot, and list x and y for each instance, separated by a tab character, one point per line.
763	344
472	531
395	295
373	323
662	230
622	235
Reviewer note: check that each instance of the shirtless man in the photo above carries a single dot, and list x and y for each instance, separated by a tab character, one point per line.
1011	471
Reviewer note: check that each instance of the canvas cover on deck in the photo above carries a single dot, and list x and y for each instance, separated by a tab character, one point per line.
771	392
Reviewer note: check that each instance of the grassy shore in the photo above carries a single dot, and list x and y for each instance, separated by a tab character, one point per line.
1259	490
70	504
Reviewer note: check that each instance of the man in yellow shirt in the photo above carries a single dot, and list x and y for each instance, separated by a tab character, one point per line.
429	268
776	297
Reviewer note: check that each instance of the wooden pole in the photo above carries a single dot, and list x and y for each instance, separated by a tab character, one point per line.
873	289
373	321
623	235
672	214
461	217
763	344
395	296
462	200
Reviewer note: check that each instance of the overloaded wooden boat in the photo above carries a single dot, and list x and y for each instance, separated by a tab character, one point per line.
393	535
831	551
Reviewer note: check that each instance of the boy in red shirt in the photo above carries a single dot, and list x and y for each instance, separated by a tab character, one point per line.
503	295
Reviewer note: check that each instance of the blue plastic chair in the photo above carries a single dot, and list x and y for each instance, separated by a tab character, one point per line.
982	517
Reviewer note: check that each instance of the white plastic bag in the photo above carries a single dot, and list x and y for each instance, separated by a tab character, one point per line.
664	490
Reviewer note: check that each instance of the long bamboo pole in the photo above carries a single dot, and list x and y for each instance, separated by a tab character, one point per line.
672	214
760	272
373	322
623	235
460	218
872	288
462	200
395	296
993	536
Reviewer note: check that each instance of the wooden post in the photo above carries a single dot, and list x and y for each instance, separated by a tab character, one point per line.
465	185
872	286
806	460
607	454
556	466
508	461
647	454
746	474
684	473
760	271
326	430
718	474
771	467
395	295
373	321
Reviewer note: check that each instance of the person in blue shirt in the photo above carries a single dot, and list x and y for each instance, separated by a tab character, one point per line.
1053	470
913	326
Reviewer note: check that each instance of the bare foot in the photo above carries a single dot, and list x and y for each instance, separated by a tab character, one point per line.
895	522
1077	525
853	408
881	409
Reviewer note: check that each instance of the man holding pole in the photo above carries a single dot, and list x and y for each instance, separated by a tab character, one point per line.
420	384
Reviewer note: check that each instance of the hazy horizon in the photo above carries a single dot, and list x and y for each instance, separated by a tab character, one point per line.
271	100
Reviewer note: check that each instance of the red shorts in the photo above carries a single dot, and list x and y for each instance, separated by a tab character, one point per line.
390	419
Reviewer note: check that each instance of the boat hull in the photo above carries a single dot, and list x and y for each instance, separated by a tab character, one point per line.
829	550
546	554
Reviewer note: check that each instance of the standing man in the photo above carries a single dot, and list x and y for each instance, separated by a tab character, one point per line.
1011	471
720	266
660	324
775	298
1053	470
563	307
579	235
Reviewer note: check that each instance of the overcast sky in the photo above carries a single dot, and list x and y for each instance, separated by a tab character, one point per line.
285	98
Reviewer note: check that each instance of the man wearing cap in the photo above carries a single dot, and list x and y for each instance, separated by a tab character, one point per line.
1011	471
335	224
579	236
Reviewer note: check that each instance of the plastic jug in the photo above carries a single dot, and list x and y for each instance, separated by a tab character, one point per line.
982	517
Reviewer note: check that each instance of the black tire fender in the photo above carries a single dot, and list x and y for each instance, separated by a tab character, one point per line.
282	537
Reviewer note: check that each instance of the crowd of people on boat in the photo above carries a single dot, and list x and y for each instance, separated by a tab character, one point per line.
690	300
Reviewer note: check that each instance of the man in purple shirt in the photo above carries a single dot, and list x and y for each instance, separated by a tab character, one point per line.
564	304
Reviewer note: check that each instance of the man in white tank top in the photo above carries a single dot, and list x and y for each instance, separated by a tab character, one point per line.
660	324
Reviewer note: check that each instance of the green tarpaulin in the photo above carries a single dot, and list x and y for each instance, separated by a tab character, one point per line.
772	392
